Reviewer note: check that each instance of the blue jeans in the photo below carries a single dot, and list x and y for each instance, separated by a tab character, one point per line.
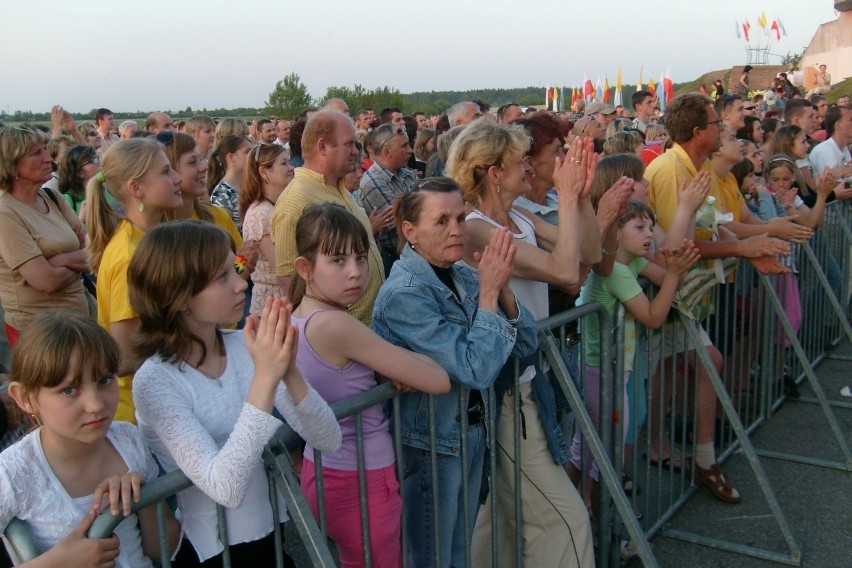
417	495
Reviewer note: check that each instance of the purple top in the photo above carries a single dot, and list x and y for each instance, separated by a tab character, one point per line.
335	384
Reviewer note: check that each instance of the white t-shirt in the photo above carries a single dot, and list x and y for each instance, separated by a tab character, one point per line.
203	427
532	294
828	155
30	491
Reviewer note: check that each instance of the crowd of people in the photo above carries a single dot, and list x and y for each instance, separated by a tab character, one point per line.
172	291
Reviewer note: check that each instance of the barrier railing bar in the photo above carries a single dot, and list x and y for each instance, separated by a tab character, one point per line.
466	520
796	345
278	464
163	535
794	559
491	433
222	526
830	294
751	457
433	453
277	536
362	488
547	344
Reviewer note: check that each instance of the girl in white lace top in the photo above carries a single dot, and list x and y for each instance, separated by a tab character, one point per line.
204	397
56	477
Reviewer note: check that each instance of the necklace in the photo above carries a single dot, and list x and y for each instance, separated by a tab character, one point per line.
330	303
220	368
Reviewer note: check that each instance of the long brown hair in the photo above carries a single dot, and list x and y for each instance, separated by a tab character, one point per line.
252	188
173	262
217	167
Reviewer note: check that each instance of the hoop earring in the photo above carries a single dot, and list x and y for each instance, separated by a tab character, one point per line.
141	207
498	188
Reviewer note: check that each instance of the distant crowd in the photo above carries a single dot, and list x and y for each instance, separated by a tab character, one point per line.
170	291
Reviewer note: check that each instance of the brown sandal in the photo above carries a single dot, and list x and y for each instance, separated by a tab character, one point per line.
714	480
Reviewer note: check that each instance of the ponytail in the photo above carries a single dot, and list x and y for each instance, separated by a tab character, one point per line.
100	220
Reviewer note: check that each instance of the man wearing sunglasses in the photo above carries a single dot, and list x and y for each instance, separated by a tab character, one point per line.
384	181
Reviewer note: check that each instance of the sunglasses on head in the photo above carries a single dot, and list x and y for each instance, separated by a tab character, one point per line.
165	137
398	130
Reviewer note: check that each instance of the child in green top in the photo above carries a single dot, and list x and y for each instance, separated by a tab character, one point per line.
635	236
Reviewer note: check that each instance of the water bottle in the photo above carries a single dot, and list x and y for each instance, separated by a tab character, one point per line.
706	214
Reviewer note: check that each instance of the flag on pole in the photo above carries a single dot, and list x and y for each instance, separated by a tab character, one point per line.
555	99
761	21
662	85
547	97
651	88
639	82
588	89
606	94
775	27
598	90
737	29
746	28
617	99
668	86
781	25
561	99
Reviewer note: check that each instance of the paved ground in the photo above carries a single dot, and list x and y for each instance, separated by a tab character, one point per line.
817	501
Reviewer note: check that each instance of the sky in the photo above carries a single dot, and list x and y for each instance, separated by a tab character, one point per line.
166	55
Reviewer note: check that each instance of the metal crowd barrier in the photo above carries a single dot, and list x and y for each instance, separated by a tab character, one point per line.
767	356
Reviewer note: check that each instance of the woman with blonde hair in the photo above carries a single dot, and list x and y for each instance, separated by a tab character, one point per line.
267	174
42	243
138	175
230	127
487	162
425	145
203	130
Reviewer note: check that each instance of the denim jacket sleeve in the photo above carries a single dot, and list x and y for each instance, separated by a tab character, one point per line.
526	340
472	352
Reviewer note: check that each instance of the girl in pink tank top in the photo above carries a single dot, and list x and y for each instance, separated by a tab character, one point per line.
340	357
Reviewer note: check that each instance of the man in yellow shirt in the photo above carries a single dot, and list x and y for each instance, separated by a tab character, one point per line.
329	150
695	128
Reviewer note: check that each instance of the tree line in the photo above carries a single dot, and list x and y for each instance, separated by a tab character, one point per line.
290	96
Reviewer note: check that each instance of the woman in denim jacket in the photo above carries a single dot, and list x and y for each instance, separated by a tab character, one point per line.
470	327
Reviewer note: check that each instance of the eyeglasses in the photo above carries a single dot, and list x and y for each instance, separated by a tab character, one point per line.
165	137
717	122
96	160
92	134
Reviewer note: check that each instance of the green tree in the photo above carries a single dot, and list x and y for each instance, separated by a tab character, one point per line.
358	97
793	60
289	98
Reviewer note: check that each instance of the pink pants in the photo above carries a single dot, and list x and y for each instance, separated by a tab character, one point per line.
343	513
580	452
